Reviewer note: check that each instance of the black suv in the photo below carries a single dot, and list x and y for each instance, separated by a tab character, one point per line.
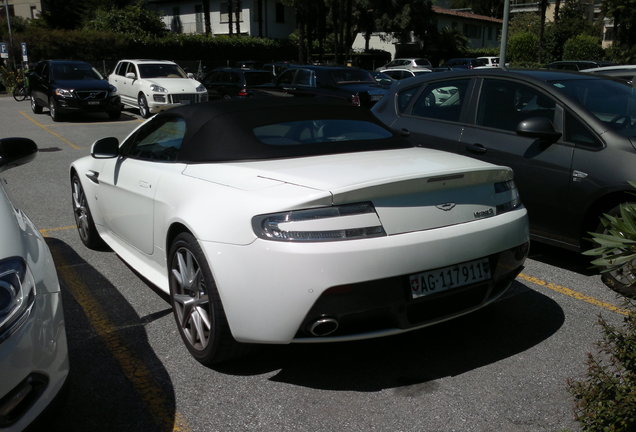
65	86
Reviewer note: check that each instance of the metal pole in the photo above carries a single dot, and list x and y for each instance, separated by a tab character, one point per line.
6	8
504	35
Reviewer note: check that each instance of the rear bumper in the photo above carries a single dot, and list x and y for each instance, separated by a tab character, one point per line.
272	290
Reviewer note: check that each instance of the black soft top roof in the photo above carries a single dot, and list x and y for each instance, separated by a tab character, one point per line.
223	130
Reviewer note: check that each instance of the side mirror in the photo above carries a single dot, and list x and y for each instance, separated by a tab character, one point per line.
105	148
16	151
540	128
190	75
131	75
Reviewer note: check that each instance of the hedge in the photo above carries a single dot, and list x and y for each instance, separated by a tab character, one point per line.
100	48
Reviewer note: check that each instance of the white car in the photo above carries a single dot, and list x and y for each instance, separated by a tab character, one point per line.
33	350
155	85
418	64
279	220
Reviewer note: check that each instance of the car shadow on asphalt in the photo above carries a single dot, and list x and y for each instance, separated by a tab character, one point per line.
562	258
116	382
96	117
520	320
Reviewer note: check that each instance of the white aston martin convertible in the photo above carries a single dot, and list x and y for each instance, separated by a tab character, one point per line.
279	221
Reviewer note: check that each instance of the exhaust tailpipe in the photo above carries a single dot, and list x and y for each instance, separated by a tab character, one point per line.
323	327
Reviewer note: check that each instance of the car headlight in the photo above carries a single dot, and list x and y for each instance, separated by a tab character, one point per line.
157	88
201	88
17	295
514	199
345	222
67	93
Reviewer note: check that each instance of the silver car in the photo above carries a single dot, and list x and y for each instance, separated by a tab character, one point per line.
33	350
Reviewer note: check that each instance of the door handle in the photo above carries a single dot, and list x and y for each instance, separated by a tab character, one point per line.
476	148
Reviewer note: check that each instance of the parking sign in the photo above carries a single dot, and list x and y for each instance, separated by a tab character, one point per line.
4	50
25	57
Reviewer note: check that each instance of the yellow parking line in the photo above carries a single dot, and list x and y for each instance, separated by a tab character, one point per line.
133	367
574	294
55	134
46	231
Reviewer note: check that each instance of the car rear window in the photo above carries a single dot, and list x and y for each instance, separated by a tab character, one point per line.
319	131
256	78
349	75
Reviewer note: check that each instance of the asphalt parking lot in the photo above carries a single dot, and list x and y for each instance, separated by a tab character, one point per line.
503	368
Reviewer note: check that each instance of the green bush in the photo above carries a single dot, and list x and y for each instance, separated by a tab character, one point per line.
522	47
583	47
606	398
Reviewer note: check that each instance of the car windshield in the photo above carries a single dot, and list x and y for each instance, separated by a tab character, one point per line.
161	70
349	76
610	101
319	131
74	71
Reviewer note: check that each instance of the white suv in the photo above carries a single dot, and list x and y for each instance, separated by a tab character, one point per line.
155	85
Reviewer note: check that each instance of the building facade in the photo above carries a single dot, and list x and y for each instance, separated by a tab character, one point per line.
260	18
480	31
22	8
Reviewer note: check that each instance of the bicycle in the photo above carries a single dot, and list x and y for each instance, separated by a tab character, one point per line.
20	92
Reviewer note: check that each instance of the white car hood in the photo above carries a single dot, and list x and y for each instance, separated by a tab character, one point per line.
175	85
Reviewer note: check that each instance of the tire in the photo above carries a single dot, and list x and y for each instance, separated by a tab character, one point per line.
19	93
83	218
144	111
37	109
196	304
54	111
623	279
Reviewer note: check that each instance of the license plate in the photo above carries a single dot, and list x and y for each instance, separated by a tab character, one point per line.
185	102
93	102
442	279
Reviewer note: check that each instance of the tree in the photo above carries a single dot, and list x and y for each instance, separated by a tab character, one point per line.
623	12
583	47
133	20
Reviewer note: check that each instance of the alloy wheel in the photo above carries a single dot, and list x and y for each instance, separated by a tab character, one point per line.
80	210
190	299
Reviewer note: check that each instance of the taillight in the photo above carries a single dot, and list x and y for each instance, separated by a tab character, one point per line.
355	100
242	92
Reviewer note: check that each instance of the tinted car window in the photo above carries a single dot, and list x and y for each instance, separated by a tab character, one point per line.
160	141
503	104
577	133
319	131
610	101
287	77
303	77
441	100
